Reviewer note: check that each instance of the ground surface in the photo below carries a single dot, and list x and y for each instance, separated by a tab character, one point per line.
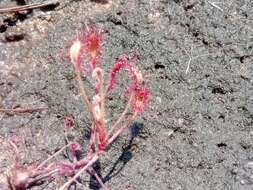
198	60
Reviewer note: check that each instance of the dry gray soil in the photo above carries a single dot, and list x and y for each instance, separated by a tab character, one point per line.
197	56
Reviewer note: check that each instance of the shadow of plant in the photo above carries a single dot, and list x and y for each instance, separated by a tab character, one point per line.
123	159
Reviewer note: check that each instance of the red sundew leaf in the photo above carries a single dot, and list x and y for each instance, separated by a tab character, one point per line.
76	53
75	148
92	40
140	99
87	44
123	63
114	71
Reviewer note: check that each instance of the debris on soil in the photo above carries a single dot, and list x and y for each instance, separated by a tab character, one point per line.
22	110
14	33
28	7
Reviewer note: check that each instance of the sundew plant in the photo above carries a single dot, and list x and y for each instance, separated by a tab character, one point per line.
85	55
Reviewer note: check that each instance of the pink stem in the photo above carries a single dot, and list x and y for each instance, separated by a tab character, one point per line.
117	133
86	163
83	92
17	154
52	156
94	173
90	163
121	117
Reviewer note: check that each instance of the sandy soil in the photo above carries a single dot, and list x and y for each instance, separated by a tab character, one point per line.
197	57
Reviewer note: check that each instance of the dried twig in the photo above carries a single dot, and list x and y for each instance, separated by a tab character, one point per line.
26	7
216	6
22	110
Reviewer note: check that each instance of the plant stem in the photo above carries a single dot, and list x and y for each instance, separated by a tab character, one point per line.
46	175
52	156
102	96
121	116
91	171
96	155
117	133
82	90
90	163
92	144
17	154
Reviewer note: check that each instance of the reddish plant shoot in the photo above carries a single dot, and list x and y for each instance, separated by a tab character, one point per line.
85	52
68	123
140	99
92	41
75	54
75	148
67	170
132	71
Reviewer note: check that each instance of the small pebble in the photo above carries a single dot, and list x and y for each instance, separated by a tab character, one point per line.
234	171
242	182
249	165
14	34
